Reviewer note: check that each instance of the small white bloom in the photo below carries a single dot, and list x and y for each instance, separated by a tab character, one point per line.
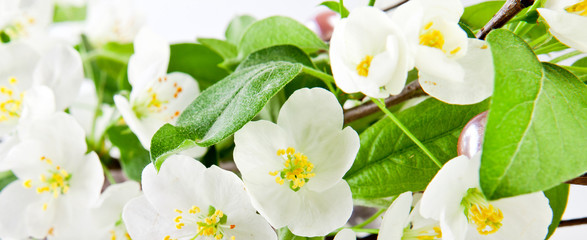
401	222
454	198
20	19
156	97
452	68
368	54
187	201
293	169
55	178
567	19
113	21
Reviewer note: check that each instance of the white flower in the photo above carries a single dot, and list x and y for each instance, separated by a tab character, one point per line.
567	19
401	222
293	169
156	97
345	234
187	201
452	68
368	54
113	21
454	198
24	19
55	178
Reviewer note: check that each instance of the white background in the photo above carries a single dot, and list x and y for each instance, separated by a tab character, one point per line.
185	20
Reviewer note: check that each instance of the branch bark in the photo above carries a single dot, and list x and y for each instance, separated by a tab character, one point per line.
581	180
509	10
411	90
395	5
573	222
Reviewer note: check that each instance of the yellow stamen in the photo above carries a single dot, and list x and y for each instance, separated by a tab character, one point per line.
364	65
579	8
488	219
456	50
45	206
28	183
297	169
432	38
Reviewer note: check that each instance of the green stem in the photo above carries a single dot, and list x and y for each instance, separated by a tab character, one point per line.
381	105
340	7
371	219
365	230
539	41
326	78
565	56
371	3
108	175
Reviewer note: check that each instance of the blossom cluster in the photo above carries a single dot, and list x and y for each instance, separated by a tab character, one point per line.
288	172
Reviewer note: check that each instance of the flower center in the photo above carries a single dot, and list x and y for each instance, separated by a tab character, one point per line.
363	66
157	99
211	225
579	8
430	232
480	212
17	29
431	37
10	101
297	171
56	181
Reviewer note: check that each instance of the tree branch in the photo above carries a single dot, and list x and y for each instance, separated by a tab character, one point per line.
395	5
412	90
573	222
581	180
509	9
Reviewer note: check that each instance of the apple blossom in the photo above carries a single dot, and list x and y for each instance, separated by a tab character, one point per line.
402	222
293	169
156	97
185	200
55	178
454	198
112	21
567	19
367	57
24	19
451	67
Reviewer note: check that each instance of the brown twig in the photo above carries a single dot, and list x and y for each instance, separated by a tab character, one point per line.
395	5
509	9
412	90
581	180
573	222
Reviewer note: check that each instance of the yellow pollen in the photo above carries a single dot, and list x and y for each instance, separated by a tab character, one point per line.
456	50
232	238
579	8
432	38
488	219
10	103
50	232
178	211
428	25
363	66
194	210
177	219
112	235
44	206
179	225
297	169
27	183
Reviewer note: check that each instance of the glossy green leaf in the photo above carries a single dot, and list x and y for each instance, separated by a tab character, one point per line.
557	199
335	6
389	163
198	61
537	123
285	234
133	157
279	30
476	16
237	27
223	109
225	49
285	53
6	178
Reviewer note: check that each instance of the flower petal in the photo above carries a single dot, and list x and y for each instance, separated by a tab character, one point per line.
86	181
277	203
225	191
150	60
14	200
142	220
567	28
396	218
249	226
345	234
135	125
109	208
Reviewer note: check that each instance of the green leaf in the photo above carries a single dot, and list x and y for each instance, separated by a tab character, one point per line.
223	48
536	127
285	234
389	163
279	30
476	16
63	13
6	178
468	30
198	61
223	109
579	68
335	6
237	27
557	199
285	53
133	157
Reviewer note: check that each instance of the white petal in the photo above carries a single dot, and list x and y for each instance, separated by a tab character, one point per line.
433	62
135	125
345	234
396	218
39	221
453	222
449	186
7	143
61	70
450	9
177	102
474	87
86	181
176	186
14	199
524	217
18	60
225	191
323	212
39	102
142	220
567	28
150	60
249	226
109	208
278	204
343	76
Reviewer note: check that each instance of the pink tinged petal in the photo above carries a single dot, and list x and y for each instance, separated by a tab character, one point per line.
474	87
248	226
14	200
225	191
176	186
61	70
396	218
276	203
322	212
345	234
150	60
133	122
143	221
449	186
524	217
567	27
109	207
